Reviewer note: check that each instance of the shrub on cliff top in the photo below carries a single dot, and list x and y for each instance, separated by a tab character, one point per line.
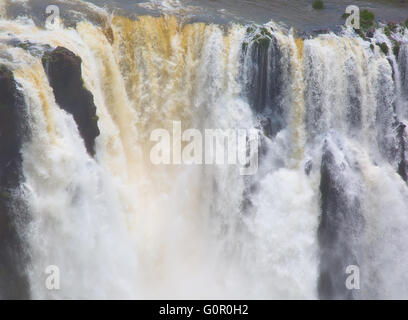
318	4
366	19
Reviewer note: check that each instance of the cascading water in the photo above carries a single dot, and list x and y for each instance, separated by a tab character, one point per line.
330	191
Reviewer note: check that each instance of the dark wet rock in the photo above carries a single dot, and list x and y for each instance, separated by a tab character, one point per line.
266	126
263	88
108	32
384	48
263	80
13	211
251	186
64	73
302	34
308	34
308	167
340	225
370	33
386	122
313	95
403	66
354	96
321	31
35	49
403	147
391	133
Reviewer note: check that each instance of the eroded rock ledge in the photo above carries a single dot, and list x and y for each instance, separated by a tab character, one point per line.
341	223
64	73
13	210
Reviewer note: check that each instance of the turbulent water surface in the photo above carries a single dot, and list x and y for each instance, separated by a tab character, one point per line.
331	189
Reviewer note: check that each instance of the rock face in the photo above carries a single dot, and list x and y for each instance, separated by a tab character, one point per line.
403	65
403	147
263	81
13	211
64	73
402	134
340	225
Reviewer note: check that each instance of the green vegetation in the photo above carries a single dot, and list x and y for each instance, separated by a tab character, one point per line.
265	32
24	45
367	28
263	42
366	19
390	28
5	69
95	118
262	37
46	57
361	34
318	4
4	195
384	48
250	30
396	48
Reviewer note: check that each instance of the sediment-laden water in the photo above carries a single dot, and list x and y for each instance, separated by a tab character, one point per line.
330	191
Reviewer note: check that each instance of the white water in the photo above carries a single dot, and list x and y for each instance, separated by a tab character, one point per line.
119	227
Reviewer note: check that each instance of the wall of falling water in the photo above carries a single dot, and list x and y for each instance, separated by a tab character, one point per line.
117	226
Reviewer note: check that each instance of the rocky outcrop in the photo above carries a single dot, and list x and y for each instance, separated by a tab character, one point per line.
403	66
403	147
340	224
262	75
13	211
64	73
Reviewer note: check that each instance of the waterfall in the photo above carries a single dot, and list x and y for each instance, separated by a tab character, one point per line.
330	190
